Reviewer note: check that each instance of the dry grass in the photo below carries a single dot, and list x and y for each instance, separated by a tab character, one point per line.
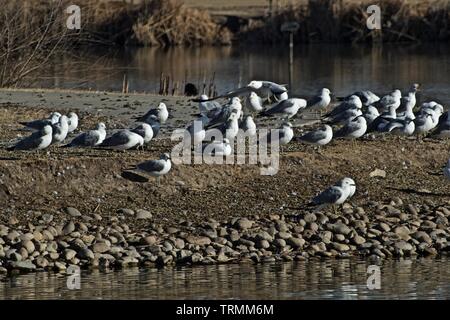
343	21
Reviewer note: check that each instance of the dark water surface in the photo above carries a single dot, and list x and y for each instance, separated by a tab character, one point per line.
313	279
343	69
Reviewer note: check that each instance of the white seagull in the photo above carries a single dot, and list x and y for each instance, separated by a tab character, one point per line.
123	140
287	108
89	138
60	130
319	137
156	168
39	124
37	141
160	112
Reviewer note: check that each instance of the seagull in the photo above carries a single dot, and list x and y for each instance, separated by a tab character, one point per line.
37	141
344	117
380	123
218	148
194	134
90	138
288	108
320	101
160	112
424	123
408	102
392	99
371	114
353	129
145	131
217	118
39	124
248	126
254	103
335	195
72	121
123	140
261	88
402	127
231	127
153	121
319	137
348	181
156	168
367	97
447	170
443	127
60	130
206	106
352	103
282	135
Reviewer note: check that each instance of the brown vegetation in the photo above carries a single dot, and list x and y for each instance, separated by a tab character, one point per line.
339	21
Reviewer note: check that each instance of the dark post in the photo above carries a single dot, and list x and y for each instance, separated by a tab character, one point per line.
290	27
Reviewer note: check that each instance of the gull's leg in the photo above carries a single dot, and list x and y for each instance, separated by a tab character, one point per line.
159	180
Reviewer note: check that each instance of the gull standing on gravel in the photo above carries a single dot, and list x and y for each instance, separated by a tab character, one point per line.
367	97
89	138
123	140
72	120
319	137
194	134
37	141
60	130
283	135
287	108
319	102
218	148
335	195
230	128
39	124
353	129
156	168
160	112
248	126
145	131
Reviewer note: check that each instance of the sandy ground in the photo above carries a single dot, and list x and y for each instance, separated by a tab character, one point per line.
91	180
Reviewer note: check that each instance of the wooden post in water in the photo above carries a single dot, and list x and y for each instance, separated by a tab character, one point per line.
290	27
125	83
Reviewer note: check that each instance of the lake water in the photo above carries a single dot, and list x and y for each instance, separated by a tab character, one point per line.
313	279
343	69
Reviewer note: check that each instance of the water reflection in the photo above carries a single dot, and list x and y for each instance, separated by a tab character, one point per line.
314	279
341	68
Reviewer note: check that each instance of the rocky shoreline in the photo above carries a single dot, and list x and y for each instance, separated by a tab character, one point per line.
394	229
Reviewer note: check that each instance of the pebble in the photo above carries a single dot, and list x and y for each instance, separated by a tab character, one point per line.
143	214
73	212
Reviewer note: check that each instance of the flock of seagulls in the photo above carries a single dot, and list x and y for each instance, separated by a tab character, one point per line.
355	116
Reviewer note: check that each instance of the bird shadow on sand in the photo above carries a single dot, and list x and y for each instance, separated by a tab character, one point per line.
418	192
133	176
